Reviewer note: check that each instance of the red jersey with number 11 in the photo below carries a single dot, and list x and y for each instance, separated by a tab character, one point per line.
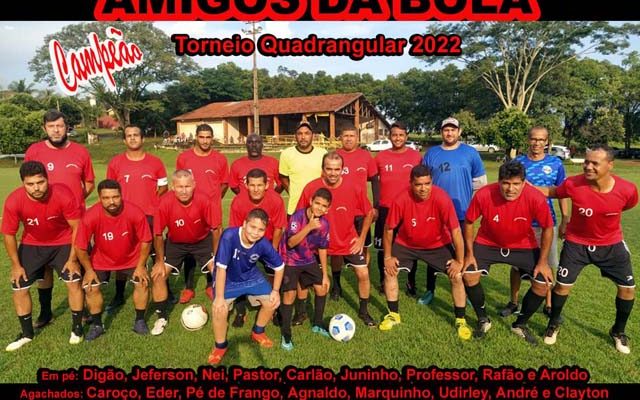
394	170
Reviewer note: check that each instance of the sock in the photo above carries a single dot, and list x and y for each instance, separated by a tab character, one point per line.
300	306
161	309
318	309
44	295
189	273
120	285
258	329
476	296
140	314
222	345
431	279
381	266
26	323
209	280
286	310
411	277
241	305
97	318
76	321
530	303
623	310
557	303
336	279
364	303
393	306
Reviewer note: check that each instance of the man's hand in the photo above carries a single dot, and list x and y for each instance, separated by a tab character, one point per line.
562	229
274	298
543	268
391	266
159	270
454	268
17	273
357	245
220	305
73	267
325	282
470	261
140	274
314	223
90	278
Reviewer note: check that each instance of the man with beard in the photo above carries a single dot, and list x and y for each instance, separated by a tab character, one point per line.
143	179
67	163
49	216
211	172
254	160
121	242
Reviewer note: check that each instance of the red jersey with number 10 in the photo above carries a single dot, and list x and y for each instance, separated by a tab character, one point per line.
394	170
187	223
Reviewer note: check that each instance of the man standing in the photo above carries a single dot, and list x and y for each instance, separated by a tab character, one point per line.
457	168
505	236
193	223
347	201
121	241
70	164
211	172
541	170
49	216
254	160
426	223
594	236
143	179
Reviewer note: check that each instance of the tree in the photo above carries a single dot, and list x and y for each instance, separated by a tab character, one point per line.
606	126
20	127
160	65
21	86
630	104
508	129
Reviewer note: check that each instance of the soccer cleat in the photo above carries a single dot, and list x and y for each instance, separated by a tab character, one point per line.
510	308
76	338
390	320
186	295
367	319
411	289
551	334
42	321
116	303
262	339
18	342
284	345
216	356
621	340
320	331
158	326
336	293
464	330
140	327
484	324
209	292
524	333
239	320
299	319
426	298
95	331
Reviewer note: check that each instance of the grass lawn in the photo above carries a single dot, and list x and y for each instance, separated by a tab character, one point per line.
426	337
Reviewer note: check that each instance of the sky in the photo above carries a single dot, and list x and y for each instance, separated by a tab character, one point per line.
21	39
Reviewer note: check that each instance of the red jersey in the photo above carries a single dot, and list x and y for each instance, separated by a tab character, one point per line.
507	224
394	170
242	166
44	222
209	171
358	166
272	203
187	223
139	180
116	240
595	217
424	224
70	165
348	201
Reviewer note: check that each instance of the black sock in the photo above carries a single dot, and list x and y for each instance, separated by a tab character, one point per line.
301	306
97	318
120	285
26	324
336	278
189	273
222	345
209	280
393	306
530	303
557	303
476	296
458	312
44	296
364	303
318	309
623	310
140	314
431	279
241	305
381	266
76	320
286	310
161	309
411	277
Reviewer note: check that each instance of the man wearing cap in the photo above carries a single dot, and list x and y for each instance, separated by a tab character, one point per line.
457	168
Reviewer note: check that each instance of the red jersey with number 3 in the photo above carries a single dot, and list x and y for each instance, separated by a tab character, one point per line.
595	217
272	203
394	170
45	222
241	167
507	224
187	223
209	171
424	224
347	202
116	239
70	165
139	180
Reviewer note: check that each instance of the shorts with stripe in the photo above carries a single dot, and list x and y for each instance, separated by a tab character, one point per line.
524	260
34	259
306	275
175	253
614	262
436	258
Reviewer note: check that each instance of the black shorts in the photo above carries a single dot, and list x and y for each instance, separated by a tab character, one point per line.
614	262
436	258
357	222
378	232
306	275
354	260
175	253
34	259
524	260
105	275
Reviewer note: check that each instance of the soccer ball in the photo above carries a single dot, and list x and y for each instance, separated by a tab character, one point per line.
342	328
194	317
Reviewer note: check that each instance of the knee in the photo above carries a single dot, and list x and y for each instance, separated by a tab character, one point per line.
539	289
626	293
470	279
562	290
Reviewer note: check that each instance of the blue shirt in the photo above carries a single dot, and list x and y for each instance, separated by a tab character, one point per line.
546	172
240	261
453	171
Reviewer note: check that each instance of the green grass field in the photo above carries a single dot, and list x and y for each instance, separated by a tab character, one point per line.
426	337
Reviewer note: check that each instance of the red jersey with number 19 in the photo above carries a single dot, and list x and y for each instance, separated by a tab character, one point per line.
272	203
209	171
187	223
394	170
117	239
241	167
595	217
45	222
507	224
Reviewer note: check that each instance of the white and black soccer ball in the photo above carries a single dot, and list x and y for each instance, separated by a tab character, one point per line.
194	317
342	328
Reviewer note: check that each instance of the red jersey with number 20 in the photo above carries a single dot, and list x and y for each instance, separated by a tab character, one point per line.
187	224
507	224
595	217
394	170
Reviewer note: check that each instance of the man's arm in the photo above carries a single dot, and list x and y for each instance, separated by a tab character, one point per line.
293	241
88	188
542	266
565	215
17	271
72	262
141	267
479	182
162	190
285	182
375	190
277	235
390	262
469	257
223	190
89	278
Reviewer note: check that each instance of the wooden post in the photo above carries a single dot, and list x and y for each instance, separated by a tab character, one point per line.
332	126
356	118
276	127
249	125
376	126
225	130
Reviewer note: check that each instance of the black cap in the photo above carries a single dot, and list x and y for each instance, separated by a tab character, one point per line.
304	123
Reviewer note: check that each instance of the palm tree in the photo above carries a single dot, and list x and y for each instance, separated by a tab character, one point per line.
21	86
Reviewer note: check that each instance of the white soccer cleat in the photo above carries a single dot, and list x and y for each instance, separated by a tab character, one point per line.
19	342
158	326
